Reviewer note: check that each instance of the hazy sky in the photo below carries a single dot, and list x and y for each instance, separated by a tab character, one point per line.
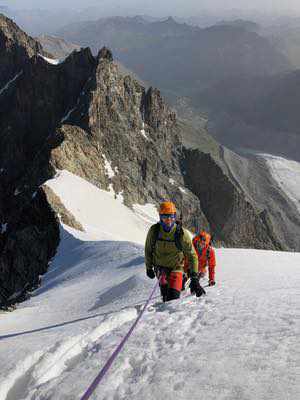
165	7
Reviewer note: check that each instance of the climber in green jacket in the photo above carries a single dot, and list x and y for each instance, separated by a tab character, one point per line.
167	245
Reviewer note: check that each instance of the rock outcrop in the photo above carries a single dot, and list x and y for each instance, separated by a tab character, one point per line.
84	116
27	244
117	123
233	219
16	48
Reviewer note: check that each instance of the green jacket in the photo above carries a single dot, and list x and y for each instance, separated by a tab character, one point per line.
164	252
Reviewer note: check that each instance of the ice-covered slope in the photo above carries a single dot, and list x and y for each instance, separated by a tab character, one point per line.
239	342
287	174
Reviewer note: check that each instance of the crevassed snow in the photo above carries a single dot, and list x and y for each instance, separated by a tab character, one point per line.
241	341
10	82
287	174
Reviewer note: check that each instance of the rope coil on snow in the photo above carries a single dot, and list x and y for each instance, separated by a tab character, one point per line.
118	349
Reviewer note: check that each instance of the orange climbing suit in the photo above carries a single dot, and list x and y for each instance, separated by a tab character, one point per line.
206	256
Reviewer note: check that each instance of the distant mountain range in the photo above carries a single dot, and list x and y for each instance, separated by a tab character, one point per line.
259	113
58	47
178	57
241	23
228	70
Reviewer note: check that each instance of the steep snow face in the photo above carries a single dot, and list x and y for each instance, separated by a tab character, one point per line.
101	214
287	174
240	341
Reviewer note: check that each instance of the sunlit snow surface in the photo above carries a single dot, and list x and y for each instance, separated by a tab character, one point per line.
53	61
287	174
241	341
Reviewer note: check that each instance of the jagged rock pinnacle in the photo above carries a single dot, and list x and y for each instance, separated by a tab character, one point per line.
105	53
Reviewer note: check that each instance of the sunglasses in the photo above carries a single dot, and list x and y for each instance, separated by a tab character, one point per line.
167	216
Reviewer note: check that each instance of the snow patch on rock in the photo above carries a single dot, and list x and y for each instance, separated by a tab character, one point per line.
108	169
52	61
10	82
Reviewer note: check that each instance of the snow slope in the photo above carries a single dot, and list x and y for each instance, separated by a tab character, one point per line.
241	341
287	174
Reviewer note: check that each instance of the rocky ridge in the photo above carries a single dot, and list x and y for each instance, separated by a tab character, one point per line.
16	48
84	116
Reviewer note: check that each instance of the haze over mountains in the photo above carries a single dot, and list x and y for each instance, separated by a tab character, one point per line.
178	57
259	110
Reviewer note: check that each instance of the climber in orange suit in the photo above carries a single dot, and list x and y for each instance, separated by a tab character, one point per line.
206	256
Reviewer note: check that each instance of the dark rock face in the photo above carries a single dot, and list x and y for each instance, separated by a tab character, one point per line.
117	121
255	180
233	219
30	114
16	48
27	246
31	107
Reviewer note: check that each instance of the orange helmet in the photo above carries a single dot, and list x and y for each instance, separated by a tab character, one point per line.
205	237
167	207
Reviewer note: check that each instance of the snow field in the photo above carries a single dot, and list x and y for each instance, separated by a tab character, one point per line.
101	215
239	342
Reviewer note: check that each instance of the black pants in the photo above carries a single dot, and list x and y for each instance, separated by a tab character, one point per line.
169	294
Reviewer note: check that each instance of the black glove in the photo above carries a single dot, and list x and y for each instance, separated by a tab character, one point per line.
195	286
150	273
211	283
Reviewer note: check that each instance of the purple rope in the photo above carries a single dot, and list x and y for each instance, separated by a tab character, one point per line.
114	355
